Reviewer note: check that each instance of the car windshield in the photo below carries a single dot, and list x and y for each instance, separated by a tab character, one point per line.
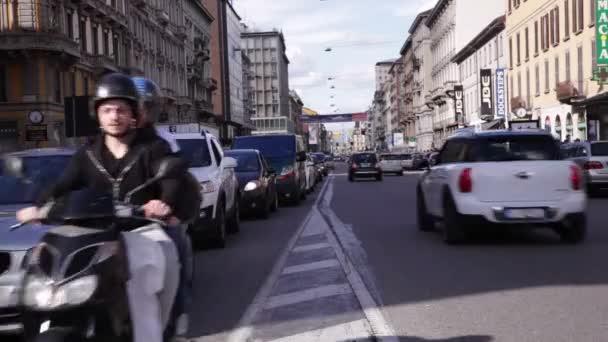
405	157
40	172
195	152
514	148
599	149
389	157
364	158
246	162
279	146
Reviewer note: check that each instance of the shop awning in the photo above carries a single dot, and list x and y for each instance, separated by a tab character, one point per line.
599	98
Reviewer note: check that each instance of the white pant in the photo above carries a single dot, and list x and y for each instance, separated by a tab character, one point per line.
154	269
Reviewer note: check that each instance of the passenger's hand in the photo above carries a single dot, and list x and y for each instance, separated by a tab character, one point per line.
28	214
156	209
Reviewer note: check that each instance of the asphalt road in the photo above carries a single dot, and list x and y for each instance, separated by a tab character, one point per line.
514	286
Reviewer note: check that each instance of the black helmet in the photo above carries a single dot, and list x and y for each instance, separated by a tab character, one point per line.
150	95
117	86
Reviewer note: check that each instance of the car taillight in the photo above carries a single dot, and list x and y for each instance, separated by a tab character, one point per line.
354	166
593	165
465	182
575	178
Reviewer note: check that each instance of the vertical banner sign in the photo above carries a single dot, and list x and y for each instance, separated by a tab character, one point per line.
501	96
601	34
487	103
459	104
313	134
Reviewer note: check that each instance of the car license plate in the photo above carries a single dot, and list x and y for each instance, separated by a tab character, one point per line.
365	164
519	214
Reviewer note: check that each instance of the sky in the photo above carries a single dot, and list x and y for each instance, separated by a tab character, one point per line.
360	33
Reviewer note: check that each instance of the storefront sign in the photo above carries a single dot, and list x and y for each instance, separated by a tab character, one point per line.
36	133
601	34
501	93
487	106
459	104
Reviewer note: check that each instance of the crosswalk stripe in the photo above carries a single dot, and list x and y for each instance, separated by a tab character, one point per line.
306	295
312	266
312	247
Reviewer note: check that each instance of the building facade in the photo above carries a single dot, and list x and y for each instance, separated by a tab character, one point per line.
52	54
396	95
407	120
248	104
551	57
422	82
295	110
487	51
452	26
266	50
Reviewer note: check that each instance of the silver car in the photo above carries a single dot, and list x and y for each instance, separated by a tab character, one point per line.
592	157
42	167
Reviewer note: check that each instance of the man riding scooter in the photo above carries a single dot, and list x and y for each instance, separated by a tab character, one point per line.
122	159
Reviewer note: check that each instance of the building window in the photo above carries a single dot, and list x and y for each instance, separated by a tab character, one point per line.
566	20
581	14
518	49
95	39
82	34
555	28
546	76
85	85
57	86
556	71
580	69
115	49
528	90
542	33
593	56
511	52
527	45
106	43
537	79
501	48
578	17
592	12
567	65
3	82
70	24
519	89
547	31
552	26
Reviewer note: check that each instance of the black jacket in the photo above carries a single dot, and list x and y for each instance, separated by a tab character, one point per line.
94	167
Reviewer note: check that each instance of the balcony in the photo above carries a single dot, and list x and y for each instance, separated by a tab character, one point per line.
102	64
204	105
168	93
105	13
203	53
180	32
162	16
417	63
40	40
194	72
209	83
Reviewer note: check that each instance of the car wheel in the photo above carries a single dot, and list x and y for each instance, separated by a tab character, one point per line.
220	235
296	198
573	230
453	231
379	178
234	224
351	178
264	212
400	174
425	222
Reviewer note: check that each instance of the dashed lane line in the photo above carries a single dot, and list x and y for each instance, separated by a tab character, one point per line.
333	333
306	295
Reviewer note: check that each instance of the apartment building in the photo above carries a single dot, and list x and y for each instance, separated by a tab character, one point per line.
552	57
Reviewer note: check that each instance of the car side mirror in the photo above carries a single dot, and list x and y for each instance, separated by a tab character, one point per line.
271	171
13	166
230	163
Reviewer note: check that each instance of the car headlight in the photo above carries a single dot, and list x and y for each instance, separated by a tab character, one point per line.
42	293
252	185
208	187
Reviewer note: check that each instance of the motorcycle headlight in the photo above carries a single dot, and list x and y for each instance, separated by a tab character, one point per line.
252	186
208	187
44	294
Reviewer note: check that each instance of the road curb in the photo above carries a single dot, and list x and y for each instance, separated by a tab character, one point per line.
381	329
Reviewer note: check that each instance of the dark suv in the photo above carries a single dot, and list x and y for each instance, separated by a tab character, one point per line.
364	165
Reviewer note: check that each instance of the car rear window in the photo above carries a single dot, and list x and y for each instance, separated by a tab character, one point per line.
514	148
365	158
599	149
405	157
390	157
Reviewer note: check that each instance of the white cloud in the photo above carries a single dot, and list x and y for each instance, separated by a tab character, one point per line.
409	10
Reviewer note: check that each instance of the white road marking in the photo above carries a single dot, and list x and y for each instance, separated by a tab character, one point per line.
244	329
352	331
307	248
379	325
307	295
312	266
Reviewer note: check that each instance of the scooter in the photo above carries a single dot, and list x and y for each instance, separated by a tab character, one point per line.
74	286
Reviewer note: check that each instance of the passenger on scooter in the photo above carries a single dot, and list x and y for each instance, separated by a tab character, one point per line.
121	159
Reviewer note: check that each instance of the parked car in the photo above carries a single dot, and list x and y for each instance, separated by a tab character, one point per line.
319	160
220	213
508	178
42	167
286	153
257	182
419	161
364	165
391	163
329	162
592	157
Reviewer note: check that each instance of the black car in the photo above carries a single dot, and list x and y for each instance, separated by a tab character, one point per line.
364	165
257	182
